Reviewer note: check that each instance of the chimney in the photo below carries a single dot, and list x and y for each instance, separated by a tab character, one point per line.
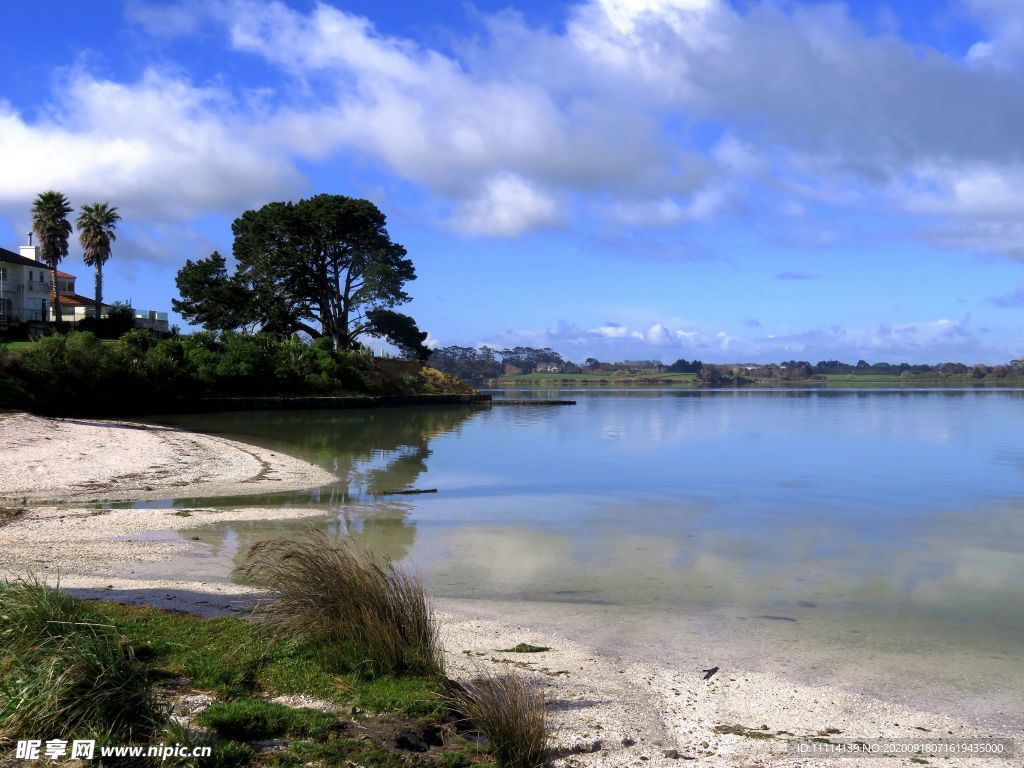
30	251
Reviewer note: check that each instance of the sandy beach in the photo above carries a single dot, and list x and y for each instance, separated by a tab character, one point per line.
605	710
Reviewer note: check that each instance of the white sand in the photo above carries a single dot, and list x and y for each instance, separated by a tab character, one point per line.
68	460
597	701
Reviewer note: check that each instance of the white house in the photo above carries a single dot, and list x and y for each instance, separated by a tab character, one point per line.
26	295
24	286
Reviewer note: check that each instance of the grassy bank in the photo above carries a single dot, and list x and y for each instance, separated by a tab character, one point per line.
339	665
230	664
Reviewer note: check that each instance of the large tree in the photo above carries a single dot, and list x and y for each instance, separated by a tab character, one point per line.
50	223
96	225
325	266
211	297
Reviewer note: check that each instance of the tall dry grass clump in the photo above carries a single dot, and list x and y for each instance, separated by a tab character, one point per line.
509	710
66	672
359	612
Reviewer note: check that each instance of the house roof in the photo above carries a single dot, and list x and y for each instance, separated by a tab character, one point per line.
15	258
77	300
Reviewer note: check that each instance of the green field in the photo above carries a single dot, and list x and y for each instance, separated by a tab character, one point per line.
869	378
598	378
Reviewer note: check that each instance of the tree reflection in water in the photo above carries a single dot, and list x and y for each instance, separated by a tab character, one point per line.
370	451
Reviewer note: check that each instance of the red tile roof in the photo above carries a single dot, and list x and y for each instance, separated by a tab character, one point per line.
76	300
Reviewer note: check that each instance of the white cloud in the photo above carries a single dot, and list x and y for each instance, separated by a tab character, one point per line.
158	148
523	128
807	93
1004	20
507	206
927	341
624	14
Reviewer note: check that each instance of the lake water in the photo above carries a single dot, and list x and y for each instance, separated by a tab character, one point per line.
872	538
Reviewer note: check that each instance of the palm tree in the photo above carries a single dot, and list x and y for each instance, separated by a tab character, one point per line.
50	223
96	225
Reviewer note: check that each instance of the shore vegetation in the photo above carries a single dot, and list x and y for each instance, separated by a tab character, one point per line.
126	674
360	613
142	368
528	366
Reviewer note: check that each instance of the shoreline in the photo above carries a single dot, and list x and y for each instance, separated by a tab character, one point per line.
595	695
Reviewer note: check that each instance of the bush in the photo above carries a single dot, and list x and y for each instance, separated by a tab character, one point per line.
64	672
78	371
360	613
508	710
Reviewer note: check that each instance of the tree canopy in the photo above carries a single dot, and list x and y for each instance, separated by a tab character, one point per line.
96	231
50	222
325	266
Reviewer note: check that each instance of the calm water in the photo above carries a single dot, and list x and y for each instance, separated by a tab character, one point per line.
881	522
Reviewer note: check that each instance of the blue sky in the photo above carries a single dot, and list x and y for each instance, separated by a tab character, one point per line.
729	181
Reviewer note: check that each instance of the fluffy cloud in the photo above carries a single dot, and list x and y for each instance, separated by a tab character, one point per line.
159	148
507	205
807	93
643	113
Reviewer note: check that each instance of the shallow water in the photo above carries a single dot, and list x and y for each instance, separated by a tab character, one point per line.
862	536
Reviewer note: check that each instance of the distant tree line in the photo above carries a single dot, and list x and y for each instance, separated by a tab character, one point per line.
476	365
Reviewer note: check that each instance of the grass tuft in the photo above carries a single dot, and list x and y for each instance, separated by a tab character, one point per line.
360	612
64	671
509	711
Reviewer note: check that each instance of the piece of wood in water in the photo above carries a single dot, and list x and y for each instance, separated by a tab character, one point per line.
404	492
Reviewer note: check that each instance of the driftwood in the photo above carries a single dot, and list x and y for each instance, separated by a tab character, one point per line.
532	402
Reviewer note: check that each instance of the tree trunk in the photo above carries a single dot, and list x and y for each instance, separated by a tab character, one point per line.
57	317
99	290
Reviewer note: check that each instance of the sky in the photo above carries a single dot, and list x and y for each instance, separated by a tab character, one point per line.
622	179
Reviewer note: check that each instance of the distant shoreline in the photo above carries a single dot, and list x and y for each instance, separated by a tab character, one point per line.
690	381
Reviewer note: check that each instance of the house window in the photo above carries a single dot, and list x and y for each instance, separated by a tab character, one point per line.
3	273
31	276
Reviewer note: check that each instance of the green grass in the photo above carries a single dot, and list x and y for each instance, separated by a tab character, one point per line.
251	719
337	752
234	658
45	634
65	670
865	378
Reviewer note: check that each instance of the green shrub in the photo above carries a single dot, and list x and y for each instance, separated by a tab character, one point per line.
141	367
